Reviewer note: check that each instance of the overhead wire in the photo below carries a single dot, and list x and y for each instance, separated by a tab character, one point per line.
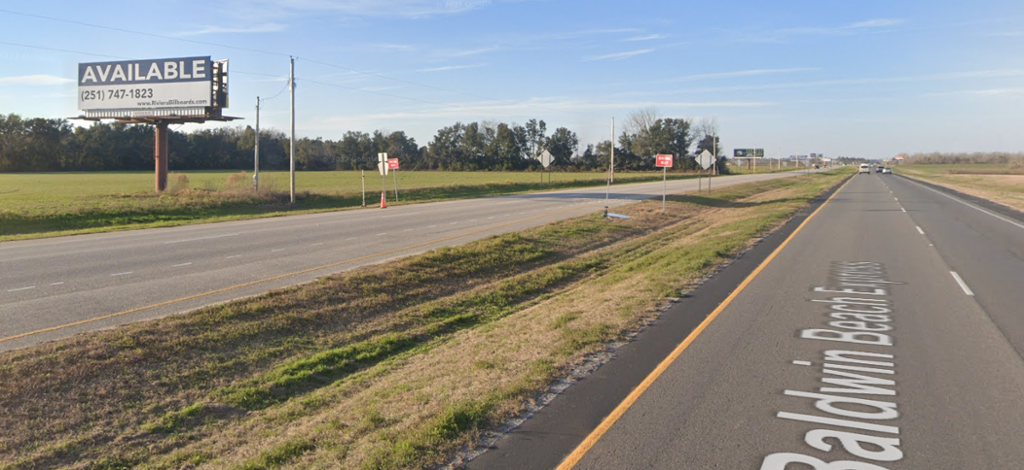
247	49
274	53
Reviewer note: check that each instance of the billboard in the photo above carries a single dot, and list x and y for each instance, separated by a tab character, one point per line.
184	82
747	153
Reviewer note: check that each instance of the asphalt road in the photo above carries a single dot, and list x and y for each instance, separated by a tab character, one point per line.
919	364
57	287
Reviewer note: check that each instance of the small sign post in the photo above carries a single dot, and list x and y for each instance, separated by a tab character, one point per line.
393	165
545	161
706	160
665	162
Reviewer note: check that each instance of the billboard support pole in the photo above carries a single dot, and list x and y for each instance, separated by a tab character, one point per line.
160	155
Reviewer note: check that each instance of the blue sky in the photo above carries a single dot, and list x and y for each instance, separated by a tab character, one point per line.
861	78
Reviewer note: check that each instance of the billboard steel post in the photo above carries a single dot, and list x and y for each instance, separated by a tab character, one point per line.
160	155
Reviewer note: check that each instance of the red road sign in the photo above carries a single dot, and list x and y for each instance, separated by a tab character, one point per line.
663	161
392	163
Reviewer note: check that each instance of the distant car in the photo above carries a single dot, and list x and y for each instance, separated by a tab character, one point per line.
887	171
864	168
816	166
879	169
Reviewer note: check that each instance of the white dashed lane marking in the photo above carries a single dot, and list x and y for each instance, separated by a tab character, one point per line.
181	265
232	256
61	283
919	230
122	274
21	289
963	285
275	250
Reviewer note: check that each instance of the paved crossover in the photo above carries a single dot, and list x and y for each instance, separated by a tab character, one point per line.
888	334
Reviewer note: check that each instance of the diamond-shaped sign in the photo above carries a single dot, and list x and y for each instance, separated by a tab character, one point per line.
706	160
545	158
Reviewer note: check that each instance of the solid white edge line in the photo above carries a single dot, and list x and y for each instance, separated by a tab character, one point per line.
963	285
919	230
972	206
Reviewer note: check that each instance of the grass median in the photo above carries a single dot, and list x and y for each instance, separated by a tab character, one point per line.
393	366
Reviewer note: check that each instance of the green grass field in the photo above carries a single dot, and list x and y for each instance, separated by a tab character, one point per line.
47	204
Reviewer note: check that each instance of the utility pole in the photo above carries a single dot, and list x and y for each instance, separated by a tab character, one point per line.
291	87
611	168
256	157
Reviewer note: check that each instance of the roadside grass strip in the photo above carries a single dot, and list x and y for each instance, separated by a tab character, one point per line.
393	366
47	205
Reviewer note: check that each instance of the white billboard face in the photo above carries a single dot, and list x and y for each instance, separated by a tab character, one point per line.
145	84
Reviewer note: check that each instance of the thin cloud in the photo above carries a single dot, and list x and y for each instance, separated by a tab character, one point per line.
649	37
36	80
860	27
468	52
364	8
742	73
529	106
875	23
260	28
451	67
983	92
1007	34
619	55
396	47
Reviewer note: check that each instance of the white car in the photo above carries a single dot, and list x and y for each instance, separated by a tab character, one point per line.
887	171
864	168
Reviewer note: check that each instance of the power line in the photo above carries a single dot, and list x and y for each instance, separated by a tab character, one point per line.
260	51
399	80
320	62
60	50
438	103
143	33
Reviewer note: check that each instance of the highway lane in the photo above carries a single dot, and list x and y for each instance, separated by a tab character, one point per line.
912	367
53	288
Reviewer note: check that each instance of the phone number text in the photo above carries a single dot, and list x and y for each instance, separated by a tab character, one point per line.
117	94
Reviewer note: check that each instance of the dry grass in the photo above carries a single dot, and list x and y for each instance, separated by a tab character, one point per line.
1004	185
380	368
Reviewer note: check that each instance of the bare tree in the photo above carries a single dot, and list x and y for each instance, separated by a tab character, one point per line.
640	121
707	126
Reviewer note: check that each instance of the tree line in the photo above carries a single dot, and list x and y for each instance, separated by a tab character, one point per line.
53	145
996	158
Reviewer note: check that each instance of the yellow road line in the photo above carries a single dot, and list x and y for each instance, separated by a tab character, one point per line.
282	276
630	400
